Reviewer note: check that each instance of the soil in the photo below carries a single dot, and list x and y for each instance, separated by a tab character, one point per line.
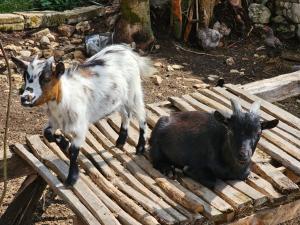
255	65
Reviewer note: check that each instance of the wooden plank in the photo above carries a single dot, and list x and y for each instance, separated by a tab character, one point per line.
264	187
156	108
268	107
208	195
225	101
196	104
14	163
259	199
241	202
66	194
92	202
209	211
276	88
181	104
275	177
138	172
151	118
110	190
165	211
278	215
21	209
121	214
279	155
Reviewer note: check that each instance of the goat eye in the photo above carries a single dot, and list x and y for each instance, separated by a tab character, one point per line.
44	79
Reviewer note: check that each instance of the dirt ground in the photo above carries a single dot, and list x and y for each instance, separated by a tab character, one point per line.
253	63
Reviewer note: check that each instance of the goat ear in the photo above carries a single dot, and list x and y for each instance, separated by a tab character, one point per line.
221	118
22	65
59	69
236	107
255	107
269	124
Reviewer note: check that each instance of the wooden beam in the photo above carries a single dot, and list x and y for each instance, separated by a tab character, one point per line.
21	210
276	88
274	216
66	194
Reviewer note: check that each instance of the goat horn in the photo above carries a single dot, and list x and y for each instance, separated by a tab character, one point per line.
255	107
236	106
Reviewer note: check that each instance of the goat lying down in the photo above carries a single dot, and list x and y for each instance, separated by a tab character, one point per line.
108	82
208	145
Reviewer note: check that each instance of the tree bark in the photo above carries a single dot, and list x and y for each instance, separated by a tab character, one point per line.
134	24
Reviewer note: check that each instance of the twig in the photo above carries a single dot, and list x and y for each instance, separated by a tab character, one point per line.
251	29
232	44
6	126
198	53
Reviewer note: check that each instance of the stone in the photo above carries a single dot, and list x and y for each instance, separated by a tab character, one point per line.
25	53
68	56
279	19
69	48
12	27
31	42
9	18
54	45
75	41
230	61
158	64
157	79
234	71
51	37
47	53
41	33
66	30
157	47
84	13
78	55
58	54
177	67
83	27
170	68
213	76
13	47
37	51
259	13
45	42
290	10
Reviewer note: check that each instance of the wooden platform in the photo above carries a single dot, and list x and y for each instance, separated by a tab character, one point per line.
118	187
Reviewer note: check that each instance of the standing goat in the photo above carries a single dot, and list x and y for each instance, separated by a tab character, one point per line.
108	82
208	145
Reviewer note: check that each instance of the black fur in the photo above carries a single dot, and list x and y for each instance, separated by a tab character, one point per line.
122	137
140	148
73	170
208	146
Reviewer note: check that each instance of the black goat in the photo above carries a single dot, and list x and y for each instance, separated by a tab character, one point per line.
208	145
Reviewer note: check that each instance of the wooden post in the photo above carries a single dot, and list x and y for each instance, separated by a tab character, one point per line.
20	211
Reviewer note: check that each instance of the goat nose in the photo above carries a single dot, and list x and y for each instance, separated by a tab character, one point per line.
24	98
243	155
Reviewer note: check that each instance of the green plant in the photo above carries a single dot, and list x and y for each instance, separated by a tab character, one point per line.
57	4
15	5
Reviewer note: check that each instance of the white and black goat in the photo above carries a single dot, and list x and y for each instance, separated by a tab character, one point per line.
208	145
108	82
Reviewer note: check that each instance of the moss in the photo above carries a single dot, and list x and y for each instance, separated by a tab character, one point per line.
128	15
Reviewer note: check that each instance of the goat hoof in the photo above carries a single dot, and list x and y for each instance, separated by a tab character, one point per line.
140	150
71	179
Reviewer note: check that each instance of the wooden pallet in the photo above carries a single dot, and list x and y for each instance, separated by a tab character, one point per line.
118	187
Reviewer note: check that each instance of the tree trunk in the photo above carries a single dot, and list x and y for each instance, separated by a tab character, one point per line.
134	24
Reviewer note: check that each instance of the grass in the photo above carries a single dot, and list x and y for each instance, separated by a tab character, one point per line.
15	5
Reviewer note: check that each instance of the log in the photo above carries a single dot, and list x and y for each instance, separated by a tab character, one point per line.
22	208
66	194
276	88
82	191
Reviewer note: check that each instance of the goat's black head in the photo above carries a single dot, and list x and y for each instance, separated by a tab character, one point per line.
243	131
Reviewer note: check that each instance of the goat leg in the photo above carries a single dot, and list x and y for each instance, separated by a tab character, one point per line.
73	170
59	139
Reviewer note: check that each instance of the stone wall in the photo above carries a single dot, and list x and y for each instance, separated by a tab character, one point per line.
285	19
37	19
